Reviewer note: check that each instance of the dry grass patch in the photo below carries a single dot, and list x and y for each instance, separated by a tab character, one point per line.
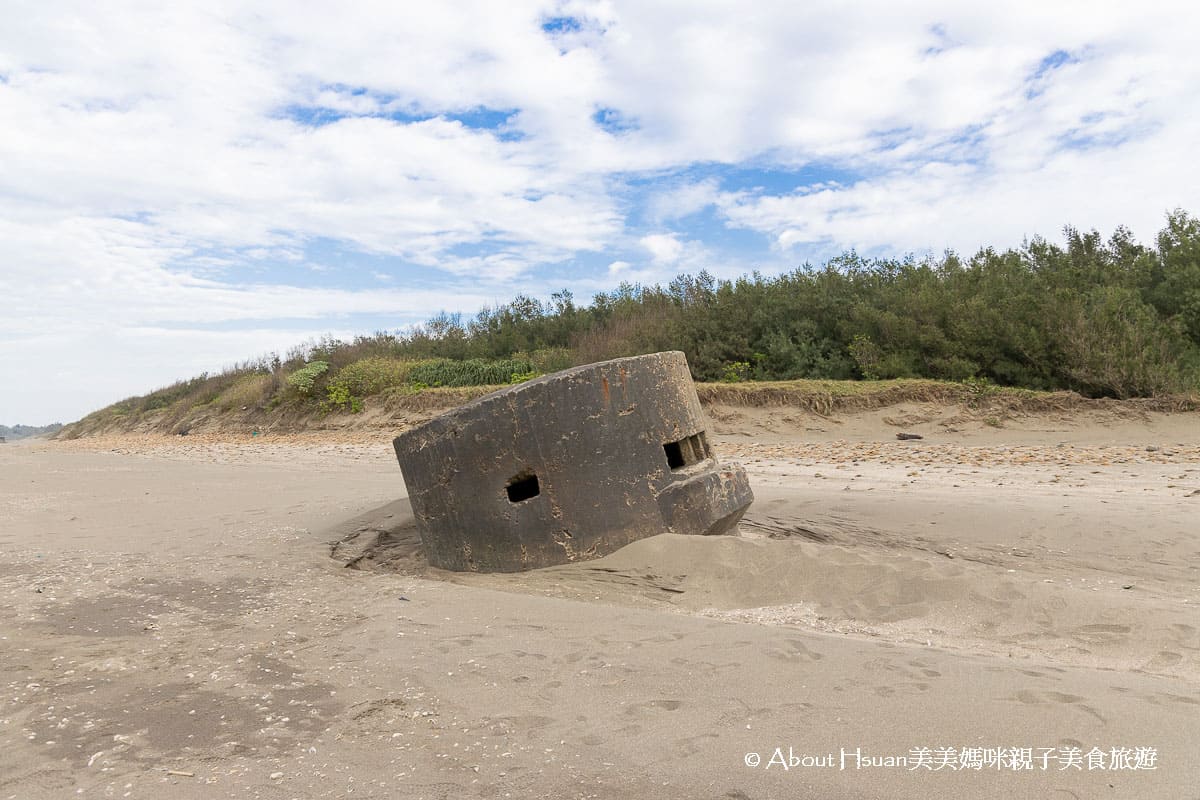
249	391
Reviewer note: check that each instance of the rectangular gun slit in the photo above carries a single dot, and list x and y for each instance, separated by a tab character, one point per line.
688	450
523	487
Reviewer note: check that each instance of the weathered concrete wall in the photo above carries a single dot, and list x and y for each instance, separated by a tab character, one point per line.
569	466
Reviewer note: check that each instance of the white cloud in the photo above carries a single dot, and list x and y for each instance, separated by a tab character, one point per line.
664	248
681	200
966	207
669	255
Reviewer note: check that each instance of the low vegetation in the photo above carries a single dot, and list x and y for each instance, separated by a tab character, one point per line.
1102	318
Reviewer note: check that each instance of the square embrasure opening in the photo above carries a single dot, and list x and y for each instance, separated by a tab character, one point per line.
688	450
523	486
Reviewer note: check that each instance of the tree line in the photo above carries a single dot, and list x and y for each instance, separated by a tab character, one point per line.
1104	317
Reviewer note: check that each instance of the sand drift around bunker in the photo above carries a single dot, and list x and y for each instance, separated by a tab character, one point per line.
569	467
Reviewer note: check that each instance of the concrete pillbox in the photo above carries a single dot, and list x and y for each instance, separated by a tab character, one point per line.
568	467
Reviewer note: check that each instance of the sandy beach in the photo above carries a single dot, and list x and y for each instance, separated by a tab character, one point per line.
1001	608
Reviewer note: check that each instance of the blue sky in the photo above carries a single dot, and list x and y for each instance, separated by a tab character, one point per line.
190	186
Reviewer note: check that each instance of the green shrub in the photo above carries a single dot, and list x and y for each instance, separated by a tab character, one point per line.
370	376
304	380
472	372
867	356
549	359
736	372
347	389
1115	345
978	387
339	397
363	378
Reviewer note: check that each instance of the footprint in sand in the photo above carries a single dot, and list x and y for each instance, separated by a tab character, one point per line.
924	668
654	706
462	641
1164	659
1101	634
690	745
520	722
373	709
794	650
1034	697
706	667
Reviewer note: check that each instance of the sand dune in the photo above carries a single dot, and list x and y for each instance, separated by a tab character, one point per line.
176	624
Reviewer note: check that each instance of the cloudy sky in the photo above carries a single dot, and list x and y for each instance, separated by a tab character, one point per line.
183	188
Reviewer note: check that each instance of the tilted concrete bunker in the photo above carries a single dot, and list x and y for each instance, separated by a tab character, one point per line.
568	467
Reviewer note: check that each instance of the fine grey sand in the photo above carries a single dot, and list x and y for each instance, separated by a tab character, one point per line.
174	624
